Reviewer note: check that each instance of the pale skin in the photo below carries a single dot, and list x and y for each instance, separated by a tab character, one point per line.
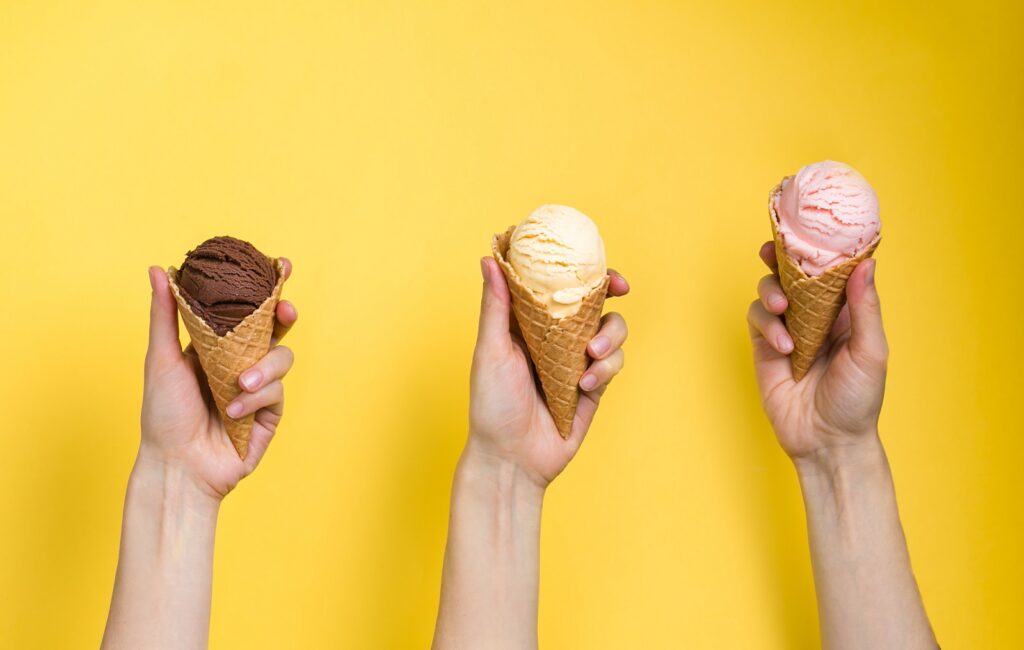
828	425
185	467
489	588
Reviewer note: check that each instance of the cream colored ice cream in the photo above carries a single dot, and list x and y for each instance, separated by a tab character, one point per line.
559	255
828	213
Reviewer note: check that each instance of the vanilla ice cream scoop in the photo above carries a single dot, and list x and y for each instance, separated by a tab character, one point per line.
828	213
558	254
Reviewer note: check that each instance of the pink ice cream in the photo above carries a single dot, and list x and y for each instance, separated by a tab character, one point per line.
827	214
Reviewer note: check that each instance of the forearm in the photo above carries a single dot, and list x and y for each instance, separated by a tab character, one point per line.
489	586
867	595
165	567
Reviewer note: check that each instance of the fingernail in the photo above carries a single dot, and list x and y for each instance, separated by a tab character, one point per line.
588	382
775	300
234	409
871	272
483	268
600	345
785	343
252	379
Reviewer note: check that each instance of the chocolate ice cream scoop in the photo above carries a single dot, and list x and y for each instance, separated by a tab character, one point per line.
224	280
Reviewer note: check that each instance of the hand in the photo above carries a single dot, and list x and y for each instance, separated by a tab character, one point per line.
508	419
836	405
180	423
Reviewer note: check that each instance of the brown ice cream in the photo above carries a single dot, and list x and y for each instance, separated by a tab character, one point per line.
224	280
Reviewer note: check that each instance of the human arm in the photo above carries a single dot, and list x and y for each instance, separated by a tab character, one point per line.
828	425
490	580
185	466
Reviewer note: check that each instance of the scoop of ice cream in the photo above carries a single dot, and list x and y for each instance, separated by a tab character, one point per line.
827	213
224	280
558	254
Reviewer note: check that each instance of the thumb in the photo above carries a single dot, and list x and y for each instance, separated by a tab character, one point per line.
163	320
494	305
867	338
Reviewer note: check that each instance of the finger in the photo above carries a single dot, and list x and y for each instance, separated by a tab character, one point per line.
586	409
770	292
867	337
285	317
617	285
269	419
842	325
264	427
603	371
270	397
767	254
273	366
610	337
163	320
771	366
769	326
494	305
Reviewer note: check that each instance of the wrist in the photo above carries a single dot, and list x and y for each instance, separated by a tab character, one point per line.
838	477
159	482
865	453
497	477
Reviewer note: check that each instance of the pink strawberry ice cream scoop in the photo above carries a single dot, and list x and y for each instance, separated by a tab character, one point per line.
827	214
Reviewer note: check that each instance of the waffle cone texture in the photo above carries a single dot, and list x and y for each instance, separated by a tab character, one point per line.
224	358
814	302
557	346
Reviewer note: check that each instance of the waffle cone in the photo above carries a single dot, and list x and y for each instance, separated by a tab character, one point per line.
814	302
558	346
224	358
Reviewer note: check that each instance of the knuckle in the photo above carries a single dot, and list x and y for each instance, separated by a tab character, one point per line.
883	352
874	356
616	325
752	311
616	362
768	283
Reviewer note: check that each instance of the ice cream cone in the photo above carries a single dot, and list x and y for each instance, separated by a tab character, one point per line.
558	346
814	302
224	358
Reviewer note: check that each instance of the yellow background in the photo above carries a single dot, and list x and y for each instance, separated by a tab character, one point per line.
379	145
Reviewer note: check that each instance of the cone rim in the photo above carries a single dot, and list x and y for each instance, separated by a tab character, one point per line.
777	236
511	274
172	277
